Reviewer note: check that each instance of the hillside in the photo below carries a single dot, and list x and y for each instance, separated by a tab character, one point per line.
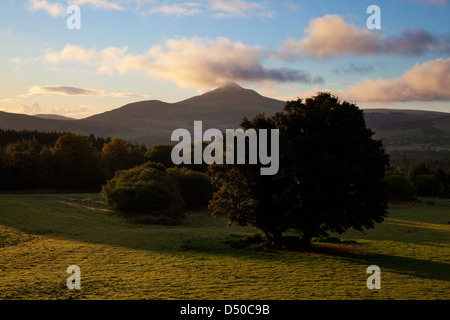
52	117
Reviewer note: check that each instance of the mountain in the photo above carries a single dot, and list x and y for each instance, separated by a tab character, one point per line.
153	121
381	118
16	121
221	108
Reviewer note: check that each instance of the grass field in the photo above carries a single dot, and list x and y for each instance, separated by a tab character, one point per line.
41	235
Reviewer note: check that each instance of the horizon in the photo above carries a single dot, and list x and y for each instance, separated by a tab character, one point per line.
172	51
226	85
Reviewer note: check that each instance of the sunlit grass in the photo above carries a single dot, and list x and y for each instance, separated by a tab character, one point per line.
41	235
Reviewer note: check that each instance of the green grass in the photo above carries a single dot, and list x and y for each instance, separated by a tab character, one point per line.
41	235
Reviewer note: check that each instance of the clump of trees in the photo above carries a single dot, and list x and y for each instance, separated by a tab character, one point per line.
421	178
147	189
36	160
331	175
155	194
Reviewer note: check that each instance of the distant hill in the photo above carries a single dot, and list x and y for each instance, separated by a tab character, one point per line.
52	117
153	121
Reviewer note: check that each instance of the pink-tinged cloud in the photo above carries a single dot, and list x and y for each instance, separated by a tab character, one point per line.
64	91
331	36
429	81
192	62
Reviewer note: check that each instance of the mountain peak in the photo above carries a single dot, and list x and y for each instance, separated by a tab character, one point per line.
230	85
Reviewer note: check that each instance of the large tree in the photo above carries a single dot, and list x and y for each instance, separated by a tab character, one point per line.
331	175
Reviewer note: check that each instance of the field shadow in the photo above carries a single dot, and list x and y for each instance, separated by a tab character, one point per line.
414	267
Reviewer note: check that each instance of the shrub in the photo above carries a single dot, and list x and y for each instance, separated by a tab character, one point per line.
144	190
399	187
196	188
428	186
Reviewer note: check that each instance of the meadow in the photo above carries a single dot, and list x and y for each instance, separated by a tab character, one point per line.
42	234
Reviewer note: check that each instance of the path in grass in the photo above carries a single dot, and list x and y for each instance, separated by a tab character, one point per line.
41	235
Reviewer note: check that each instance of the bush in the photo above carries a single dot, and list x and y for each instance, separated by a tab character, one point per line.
399	187
144	190
428	186
196	188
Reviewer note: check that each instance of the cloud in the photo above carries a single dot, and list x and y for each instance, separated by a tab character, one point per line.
128	95
330	36
53	9
188	62
237	8
428	81
434	2
9	100
79	112
34	108
359	68
56	9
64	91
178	9
99	4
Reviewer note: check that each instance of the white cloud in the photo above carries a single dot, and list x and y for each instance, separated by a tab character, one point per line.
57	9
52	8
99	4
237	8
178	9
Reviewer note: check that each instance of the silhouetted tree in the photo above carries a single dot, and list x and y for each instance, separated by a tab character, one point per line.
331	175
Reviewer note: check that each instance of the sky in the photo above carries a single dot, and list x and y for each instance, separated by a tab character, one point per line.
113	52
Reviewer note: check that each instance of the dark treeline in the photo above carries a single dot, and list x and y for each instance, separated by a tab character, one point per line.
409	178
62	161
44	138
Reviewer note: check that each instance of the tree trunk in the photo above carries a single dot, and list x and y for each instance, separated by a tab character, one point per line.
268	235
306	239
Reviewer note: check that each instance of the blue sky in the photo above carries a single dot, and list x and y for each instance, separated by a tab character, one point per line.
132	50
